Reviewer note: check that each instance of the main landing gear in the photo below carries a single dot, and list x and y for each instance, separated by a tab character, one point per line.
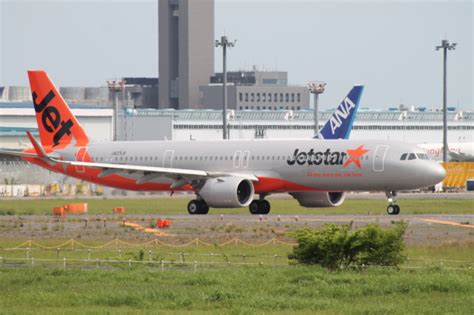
198	207
260	206
392	208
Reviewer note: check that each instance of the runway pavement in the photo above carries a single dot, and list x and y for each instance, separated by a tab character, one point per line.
423	229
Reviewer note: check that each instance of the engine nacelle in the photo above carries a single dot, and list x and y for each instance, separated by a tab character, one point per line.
310	199
227	192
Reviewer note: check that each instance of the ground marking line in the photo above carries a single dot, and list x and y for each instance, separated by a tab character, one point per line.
448	223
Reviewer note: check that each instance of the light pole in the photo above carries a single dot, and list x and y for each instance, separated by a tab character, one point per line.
116	87
224	42
445	45
316	88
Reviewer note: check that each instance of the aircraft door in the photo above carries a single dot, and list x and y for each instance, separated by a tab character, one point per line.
245	159
168	158
237	157
81	156
379	157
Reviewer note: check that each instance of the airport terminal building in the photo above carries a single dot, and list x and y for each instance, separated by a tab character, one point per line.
407	126
414	126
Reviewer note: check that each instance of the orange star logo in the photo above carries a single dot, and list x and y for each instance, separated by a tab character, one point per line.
355	155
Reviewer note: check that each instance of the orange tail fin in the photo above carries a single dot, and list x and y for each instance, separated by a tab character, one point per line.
56	123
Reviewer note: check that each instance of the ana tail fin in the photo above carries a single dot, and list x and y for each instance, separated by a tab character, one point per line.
339	125
56	124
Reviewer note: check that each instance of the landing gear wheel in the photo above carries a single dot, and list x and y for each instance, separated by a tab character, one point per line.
193	207
397	209
204	207
393	209
254	207
198	207
259	207
264	206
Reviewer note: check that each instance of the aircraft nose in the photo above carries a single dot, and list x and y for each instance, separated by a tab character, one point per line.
436	173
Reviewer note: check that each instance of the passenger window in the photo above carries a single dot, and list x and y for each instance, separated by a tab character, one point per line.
412	156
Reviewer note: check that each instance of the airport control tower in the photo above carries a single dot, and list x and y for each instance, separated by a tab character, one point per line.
186	51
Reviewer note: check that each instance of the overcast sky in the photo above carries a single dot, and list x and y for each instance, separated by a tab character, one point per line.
387	46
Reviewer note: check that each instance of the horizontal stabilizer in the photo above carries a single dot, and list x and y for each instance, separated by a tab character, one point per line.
18	153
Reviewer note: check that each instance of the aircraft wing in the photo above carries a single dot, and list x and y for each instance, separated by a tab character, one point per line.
150	172
179	176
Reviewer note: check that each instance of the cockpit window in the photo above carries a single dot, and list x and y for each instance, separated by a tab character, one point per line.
412	156
403	157
422	156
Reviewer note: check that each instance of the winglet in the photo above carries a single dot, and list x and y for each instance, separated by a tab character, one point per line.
38	148
339	125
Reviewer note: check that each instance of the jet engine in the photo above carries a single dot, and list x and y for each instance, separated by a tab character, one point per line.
310	199
227	192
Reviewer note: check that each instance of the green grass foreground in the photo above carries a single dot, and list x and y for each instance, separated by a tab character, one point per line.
257	290
178	205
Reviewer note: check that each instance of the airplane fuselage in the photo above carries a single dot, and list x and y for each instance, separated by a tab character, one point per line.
280	165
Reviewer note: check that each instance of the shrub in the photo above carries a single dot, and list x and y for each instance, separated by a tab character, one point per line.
338	246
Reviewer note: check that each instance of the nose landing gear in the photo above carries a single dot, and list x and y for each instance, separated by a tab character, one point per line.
393	208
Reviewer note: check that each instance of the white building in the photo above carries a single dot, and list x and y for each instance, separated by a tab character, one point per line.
152	124
16	118
407	126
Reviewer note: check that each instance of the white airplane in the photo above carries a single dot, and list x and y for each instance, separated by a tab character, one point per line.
457	152
226	173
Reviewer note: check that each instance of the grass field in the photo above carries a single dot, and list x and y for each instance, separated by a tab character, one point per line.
274	287
258	290
279	206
